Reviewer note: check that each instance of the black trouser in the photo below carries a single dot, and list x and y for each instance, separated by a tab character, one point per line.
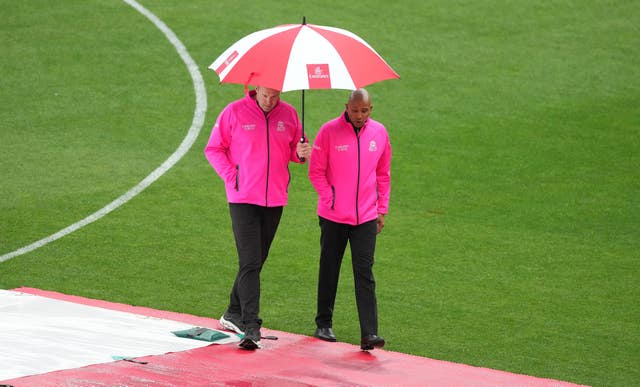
254	228
333	241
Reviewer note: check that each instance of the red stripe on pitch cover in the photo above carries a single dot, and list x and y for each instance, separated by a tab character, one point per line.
293	360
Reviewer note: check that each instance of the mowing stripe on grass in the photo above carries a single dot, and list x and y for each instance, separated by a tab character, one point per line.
187	142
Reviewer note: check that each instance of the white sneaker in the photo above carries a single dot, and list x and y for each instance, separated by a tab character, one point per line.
231	323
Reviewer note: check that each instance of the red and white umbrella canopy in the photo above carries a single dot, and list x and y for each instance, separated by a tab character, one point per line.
302	56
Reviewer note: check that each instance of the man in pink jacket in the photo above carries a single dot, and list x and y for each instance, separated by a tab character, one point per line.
350	170
251	145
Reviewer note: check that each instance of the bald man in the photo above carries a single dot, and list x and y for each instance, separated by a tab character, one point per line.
350	170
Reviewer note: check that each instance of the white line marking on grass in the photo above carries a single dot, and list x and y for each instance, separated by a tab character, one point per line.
187	142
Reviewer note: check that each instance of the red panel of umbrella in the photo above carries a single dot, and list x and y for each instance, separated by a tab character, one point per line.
301	57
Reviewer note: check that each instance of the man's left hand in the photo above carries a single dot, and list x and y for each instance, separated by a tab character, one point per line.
380	223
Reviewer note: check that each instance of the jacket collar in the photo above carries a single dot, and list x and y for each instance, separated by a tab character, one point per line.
345	116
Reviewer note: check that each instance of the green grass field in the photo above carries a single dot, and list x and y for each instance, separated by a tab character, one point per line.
513	235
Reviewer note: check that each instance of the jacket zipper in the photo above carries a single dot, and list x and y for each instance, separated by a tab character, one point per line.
266	191
358	182
333	198
237	177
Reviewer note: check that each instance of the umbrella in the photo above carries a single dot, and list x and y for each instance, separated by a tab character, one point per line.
302	56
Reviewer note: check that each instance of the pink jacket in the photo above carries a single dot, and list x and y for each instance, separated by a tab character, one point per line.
251	152
351	173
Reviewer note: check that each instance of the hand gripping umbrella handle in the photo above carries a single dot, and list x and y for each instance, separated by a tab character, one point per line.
302	139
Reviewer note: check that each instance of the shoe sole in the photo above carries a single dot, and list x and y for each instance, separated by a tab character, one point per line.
371	347
228	325
249	344
324	338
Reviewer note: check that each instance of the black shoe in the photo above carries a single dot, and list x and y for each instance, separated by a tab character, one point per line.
251	338
325	334
232	322
370	342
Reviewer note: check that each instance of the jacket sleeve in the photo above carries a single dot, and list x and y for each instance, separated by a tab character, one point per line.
218	150
383	178
318	165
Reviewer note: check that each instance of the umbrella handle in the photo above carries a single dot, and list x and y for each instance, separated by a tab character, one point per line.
302	139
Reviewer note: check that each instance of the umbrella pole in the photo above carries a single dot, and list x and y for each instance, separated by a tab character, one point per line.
302	139
304	21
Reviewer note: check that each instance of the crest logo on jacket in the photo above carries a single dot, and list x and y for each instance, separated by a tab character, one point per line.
372	146
280	127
